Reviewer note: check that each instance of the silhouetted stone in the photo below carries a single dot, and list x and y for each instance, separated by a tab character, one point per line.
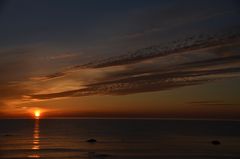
102	155
94	155
92	140
8	135
216	142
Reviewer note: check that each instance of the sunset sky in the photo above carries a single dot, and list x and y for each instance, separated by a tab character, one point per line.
120	58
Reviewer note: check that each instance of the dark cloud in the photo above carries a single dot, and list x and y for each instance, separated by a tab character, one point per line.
212	103
189	44
213	62
137	76
179	46
145	83
220	60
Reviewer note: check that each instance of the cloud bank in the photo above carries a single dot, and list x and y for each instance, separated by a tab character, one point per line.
191	61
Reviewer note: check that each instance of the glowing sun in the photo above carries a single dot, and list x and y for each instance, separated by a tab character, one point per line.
37	114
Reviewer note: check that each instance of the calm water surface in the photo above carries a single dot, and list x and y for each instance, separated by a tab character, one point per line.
119	139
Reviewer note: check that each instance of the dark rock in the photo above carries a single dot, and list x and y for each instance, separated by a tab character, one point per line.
92	140
216	142
94	155
102	155
8	135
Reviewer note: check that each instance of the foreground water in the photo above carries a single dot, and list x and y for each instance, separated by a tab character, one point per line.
119	139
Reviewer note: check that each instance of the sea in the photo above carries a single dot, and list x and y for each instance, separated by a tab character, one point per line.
119	139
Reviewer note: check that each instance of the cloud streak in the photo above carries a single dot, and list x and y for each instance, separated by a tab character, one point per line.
211	103
192	61
179	46
145	83
192	43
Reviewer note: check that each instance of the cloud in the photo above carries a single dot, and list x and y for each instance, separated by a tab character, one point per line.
189	44
145	83
192	61
212	103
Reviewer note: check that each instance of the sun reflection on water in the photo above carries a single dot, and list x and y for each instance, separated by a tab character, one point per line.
36	140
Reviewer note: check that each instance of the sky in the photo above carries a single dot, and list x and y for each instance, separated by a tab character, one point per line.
120	58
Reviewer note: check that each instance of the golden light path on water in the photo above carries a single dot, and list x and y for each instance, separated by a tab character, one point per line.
36	137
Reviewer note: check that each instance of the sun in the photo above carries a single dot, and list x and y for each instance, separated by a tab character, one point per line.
37	114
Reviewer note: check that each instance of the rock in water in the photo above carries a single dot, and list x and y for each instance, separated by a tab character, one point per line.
102	155
92	140
216	142
7	135
94	155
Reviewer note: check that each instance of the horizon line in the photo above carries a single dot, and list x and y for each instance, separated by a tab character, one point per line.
124	118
